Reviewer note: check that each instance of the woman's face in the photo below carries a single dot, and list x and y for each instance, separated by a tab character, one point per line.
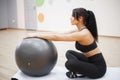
74	21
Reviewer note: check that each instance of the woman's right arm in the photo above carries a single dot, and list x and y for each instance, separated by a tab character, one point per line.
74	36
47	32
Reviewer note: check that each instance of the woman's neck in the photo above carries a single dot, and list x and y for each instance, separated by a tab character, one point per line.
80	26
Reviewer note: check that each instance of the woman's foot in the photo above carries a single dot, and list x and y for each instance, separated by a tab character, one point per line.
74	75
71	75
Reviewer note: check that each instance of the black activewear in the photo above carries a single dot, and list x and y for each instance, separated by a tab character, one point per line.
78	63
86	48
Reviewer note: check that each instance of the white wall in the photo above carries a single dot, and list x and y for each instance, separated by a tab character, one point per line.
57	15
20	14
108	17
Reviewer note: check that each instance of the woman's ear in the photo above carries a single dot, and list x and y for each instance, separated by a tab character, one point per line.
80	18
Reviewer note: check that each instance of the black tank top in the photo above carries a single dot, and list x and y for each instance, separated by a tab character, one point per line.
85	48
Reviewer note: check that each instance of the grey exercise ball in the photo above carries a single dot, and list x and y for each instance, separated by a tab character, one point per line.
35	56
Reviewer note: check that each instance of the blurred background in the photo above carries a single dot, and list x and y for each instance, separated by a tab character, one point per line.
18	17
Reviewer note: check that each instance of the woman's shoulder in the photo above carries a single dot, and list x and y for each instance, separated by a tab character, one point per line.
84	33
86	36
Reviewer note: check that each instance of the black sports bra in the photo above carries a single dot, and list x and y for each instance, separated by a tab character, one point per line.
85	48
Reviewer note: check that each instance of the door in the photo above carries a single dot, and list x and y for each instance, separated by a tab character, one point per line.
3	14
30	14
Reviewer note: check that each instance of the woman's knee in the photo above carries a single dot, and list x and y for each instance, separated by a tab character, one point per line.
67	65
68	53
70	65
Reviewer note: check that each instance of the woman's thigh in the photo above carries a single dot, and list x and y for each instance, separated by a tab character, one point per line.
76	54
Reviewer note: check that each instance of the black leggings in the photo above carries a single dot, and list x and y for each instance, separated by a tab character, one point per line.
92	67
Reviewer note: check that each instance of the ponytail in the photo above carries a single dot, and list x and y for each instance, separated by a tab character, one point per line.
89	20
91	24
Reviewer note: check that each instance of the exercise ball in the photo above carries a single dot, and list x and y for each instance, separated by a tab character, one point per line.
35	56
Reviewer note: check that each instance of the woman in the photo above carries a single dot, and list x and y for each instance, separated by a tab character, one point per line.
90	62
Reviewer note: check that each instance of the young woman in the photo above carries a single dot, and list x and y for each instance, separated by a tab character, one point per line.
90	62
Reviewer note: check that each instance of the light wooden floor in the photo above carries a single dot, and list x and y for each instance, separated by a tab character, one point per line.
10	38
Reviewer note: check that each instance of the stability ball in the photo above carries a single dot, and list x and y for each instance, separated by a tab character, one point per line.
35	56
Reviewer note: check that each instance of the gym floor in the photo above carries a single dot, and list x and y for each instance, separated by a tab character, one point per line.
110	46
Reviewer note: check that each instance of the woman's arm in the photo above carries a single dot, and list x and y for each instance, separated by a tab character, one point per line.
70	31
74	36
47	32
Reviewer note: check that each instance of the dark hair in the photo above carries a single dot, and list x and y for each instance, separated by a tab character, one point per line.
88	19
